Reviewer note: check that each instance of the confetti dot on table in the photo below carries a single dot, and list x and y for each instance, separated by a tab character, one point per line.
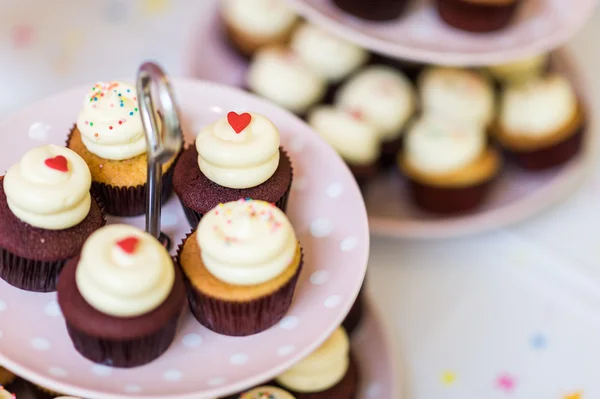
192	340
448	378
321	227
21	36
132	388
39	131
335	190
214	382
52	309
506	382
57	372
41	344
101	370
332	302
373	390
319	277
289	322
539	341
286	350
2	306
238	359
173	375
575	395
348	244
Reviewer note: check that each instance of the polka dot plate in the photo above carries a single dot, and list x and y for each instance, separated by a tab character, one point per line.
328	214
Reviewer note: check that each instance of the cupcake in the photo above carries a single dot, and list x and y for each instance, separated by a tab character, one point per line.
327	373
354	140
235	157
4	394
478	15
459	94
46	214
252	24
520	71
266	393
241	267
373	10
110	137
541	122
121	297
6	378
449	165
279	75
384	98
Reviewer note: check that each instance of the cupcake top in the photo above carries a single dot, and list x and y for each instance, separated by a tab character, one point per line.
355	140
259	17
266	393
124	272
452	93
329	56
519	70
49	188
4	394
538	108
322	369
279	75
246	242
437	146
383	97
239	150
110	122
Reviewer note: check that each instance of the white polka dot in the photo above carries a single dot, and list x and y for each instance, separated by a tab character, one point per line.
101	370
289	322
192	340
213	382
286	350
297	144
238	359
132	388
168	219
57	372
39	131
172	375
335	190
52	309
373	390
321	227
319	277
299	184
348	244
3	306
332	302
41	344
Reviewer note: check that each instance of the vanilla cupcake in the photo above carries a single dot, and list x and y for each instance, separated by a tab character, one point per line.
328	372
520	71
541	122
252	24
458	94
266	392
279	75
450	165
354	140
384	98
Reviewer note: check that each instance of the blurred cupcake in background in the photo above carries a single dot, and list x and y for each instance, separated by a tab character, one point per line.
541	122
478	15
6	378
520	71
266	392
4	394
253	24
373	10
449	165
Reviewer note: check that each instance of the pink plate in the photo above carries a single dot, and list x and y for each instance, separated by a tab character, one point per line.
326	209
420	35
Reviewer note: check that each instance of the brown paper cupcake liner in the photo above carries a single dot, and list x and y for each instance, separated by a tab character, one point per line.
475	17
373	10
389	152
364	173
449	200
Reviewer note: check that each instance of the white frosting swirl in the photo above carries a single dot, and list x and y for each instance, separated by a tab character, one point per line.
383	96
110	122
267	393
47	197
120	282
262	18
329	56
357	142
435	145
239	160
246	242
466	96
322	369
280	76
538	108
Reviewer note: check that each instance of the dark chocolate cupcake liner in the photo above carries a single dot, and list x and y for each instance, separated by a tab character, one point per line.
474	17
373	10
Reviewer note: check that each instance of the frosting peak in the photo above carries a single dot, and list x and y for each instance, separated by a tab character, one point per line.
239	151
246	242
110	122
49	188
260	17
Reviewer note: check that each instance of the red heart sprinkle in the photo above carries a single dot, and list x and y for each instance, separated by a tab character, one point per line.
129	244
239	122
58	163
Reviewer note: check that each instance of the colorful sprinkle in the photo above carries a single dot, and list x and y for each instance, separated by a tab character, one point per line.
91	123
448	378
131	113
22	36
506	382
539	341
575	395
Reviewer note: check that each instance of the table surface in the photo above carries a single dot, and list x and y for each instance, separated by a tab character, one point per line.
511	313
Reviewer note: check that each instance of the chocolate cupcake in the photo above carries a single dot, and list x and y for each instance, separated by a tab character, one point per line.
541	122
450	166
384	98
265	392
110	137
241	267
121	298
46	214
478	15
327	373
373	10
236	157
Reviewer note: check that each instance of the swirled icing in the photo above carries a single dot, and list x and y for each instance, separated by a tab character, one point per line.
246	242
110	122
383	96
267	393
538	108
48	196
241	159
435	145
322	369
124	272
259	17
